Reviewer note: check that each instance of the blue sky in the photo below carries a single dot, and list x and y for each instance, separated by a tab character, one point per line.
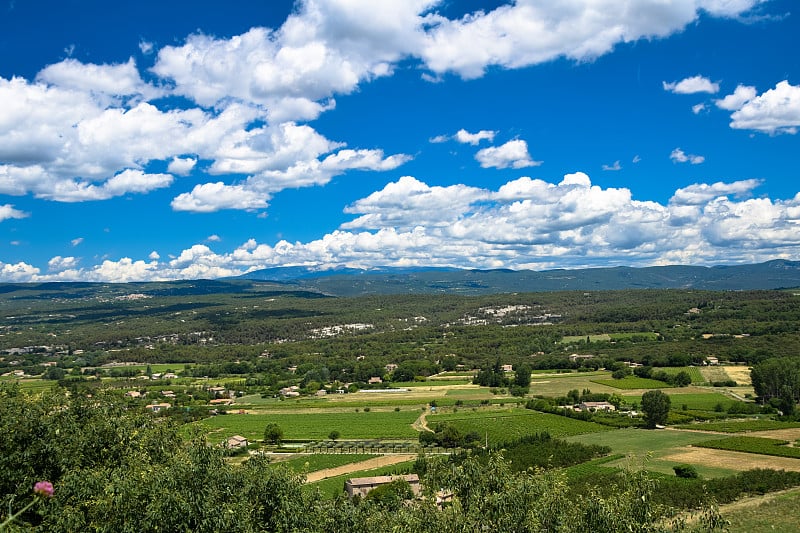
166	140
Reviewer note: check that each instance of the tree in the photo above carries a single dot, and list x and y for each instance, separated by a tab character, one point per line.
682	379
778	377
273	434
391	495
655	405
334	435
522	375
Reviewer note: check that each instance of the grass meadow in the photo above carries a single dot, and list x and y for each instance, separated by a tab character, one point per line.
775	514
314	425
646	449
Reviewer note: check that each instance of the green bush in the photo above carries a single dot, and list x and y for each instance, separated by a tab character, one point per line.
686	471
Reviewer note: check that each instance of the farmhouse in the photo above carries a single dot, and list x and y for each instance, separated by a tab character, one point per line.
362	485
596	406
237	441
156	407
221	401
217	392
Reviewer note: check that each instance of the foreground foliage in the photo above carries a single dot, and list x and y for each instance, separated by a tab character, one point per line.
116	469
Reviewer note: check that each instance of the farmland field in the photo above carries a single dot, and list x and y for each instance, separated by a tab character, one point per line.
32	385
314	425
508	424
700	401
632	382
648	449
693	371
433	383
773	514
321	461
757	445
561	384
741	426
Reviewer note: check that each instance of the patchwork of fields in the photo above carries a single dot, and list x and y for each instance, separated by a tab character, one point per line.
386	421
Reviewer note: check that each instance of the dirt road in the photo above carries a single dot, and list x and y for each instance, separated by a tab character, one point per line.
375	462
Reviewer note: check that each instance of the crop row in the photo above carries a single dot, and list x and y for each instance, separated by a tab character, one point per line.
757	445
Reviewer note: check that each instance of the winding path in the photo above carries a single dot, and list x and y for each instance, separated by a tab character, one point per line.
421	423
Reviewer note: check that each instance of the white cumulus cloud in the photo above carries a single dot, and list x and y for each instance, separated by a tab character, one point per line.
525	223
530	32
115	80
210	197
181	166
463	136
774	111
7	211
701	193
58	263
679	156
694	84
741	95
513	154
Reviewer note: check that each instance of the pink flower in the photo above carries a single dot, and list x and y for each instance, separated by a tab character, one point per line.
44	489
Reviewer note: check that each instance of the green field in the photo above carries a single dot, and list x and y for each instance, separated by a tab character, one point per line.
472	394
632	382
757	445
770	515
600	337
700	401
509	424
693	371
555	385
741	426
321	461
431	383
644	448
314	425
31	385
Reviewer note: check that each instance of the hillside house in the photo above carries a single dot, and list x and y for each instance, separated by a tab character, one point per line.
235	442
597	406
218	392
362	485
157	407
221	401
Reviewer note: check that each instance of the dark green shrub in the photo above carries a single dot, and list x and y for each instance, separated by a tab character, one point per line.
686	471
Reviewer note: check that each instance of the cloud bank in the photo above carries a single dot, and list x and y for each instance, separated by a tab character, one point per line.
526	223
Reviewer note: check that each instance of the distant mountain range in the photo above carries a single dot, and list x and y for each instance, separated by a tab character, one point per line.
387	280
